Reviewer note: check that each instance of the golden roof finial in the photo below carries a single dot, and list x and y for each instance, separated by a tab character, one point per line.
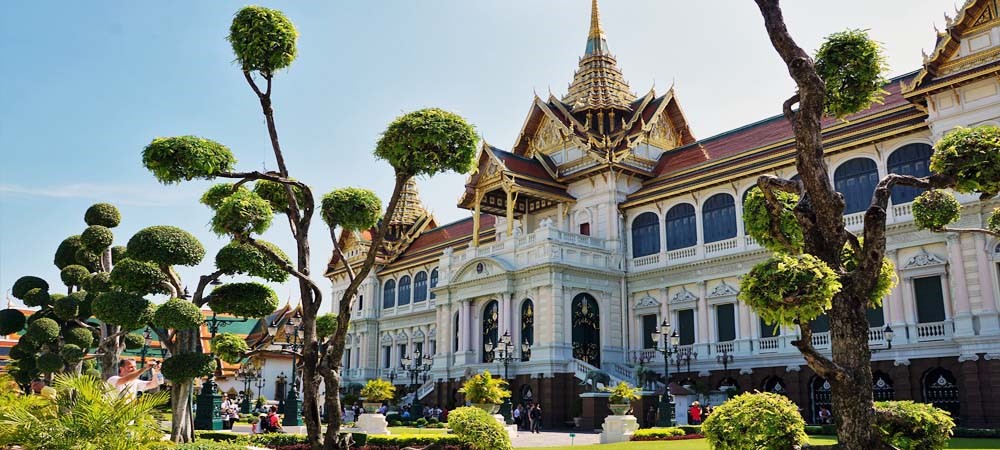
595	21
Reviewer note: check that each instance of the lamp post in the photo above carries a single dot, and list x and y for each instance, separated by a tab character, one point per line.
503	353
684	356
209	414
248	375
292	343
415	366
281	381
667	346
887	334
147	341
261	382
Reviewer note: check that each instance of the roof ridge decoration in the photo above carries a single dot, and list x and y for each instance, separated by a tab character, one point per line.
598	83
972	15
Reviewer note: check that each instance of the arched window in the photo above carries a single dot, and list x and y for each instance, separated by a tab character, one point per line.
389	294
404	291
774	384
527	327
912	159
718	218
420	287
491	322
645	235
856	179
586	321
681	227
434	281
941	390
882	389
821	397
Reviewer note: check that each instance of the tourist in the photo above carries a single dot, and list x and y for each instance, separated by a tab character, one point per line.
651	416
536	418
271	422
694	413
825	416
127	381
517	416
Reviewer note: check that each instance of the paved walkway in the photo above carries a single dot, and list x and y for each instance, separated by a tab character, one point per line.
554	439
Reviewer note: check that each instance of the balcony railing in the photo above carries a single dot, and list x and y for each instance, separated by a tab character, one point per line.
769	344
646	260
683	253
721	246
934	331
821	340
728	347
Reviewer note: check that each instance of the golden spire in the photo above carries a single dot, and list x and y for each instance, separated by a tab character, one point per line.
410	208
595	22
598	83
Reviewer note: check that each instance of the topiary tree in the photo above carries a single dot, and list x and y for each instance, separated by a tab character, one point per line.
760	420
845	77
421	143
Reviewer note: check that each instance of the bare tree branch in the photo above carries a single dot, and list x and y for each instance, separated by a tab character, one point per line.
823	366
253	84
285	265
340	254
786	107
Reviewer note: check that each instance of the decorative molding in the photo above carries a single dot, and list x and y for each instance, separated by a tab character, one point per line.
386	338
704	373
418	334
683	296
901	362
991	356
923	259
968	357
647	302
723	290
793	368
746	371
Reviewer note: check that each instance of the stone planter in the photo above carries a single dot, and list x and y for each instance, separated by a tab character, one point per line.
490	408
619	409
371	407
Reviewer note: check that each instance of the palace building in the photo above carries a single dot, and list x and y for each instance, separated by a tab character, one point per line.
607	216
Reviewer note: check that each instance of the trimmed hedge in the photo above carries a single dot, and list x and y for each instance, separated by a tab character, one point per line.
908	425
657	434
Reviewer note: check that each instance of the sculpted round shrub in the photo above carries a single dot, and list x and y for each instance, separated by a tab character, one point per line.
72	353
242	213
49	362
184	158
88	259
102	214
25	284
66	252
853	67
166	245
79	336
43	330
186	366
36	297
214	196
134	341
243	300
86	305
67	307
935	209
96	238
263	39
118	253
479	430
351	208
972	157
98	282
74	275
428	141
276	195
178	314
11	321
139	277
484	389
127	310
326	325
913	426
887	278
22	350
229	347
760	421
788	287
243	258
758	221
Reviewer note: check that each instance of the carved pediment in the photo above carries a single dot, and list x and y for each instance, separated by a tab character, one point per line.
683	296
386	339
400	336
647	302
661	133
480	268
723	290
418	334
923	259
548	137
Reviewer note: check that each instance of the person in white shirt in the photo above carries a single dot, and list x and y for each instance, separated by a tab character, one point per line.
128	382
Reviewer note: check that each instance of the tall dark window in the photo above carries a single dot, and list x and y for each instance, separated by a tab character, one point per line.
457	332
912	159
682	230
389	294
404	291
856	179
434	282
769	330
649	326
386	356
725	322
347	358
876	318
491	322
401	355
586	329
820	324
718	218
361	302
527	327
930	299
585	228
645	235
685	326
420	287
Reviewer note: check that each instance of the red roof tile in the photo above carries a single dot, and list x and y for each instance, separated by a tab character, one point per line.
445	233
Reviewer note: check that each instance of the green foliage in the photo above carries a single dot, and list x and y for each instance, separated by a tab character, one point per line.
326	325
121	308
67	307
483	388
102	214
79	336
50	362
21	350
186	366
853	67
351	208
229	347
263	39
786	288
428	141
37	297
478	429
935	209
66	253
243	300
118	253
913	426
758	221
72	353
214	196
178	314
244	258
972	157
401	441
139	277
887	278
87	304
96	238
25	284
43	330
176	159
276	195
98	282
656	434
88	259
74	275
993	224
11	321
166	245
378	390
134	341
242	213
760	421
623	393
210	445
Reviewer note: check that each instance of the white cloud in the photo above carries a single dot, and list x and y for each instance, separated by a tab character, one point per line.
120	194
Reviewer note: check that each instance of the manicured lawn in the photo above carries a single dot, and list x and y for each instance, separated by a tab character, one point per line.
413	430
701	444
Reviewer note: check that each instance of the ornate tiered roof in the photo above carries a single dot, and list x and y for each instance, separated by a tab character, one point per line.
598	83
410	209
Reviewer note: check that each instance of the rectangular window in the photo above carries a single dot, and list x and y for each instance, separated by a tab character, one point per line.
402	353
433	347
585	229
386	357
685	326
649	326
767	331
820	324
725	322
347	358
876	318
930	299
361	302
419	349
455	344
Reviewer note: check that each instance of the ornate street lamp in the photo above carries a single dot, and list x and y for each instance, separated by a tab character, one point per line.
292	343
887	334
261	382
248	375
415	366
209	412
504	354
668	342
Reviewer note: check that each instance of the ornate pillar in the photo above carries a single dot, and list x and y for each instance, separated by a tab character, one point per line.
469	321
962	310
909	309
988	319
704	332
505	302
475	220
893	305
510	211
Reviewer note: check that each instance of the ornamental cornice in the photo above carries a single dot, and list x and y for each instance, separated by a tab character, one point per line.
793	368
647	302
723	289
923	259
991	356
968	357
684	296
901	362
746	371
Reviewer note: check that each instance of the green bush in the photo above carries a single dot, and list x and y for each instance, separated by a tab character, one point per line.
214	196
176	159
43	330
79	336
623	393
139	277
49	362
887	278
178	314
67	307
326	325
118	252
186	366
761	421
229	347
263	39
913	426
935	209
242	258
421	422
11	321
690	429
222	436
275	440
484	389
758	220
98	282
89	260
786	288
72	353
428	141
395	423
821	430
74	275
134	341
352	209
479	430
413	440
127	310
37	297
656	434
241	214
66	253
378	390
243	299
166	245
853	67
96	238
972	157
210	445
102	214
25	284
961	432
275	194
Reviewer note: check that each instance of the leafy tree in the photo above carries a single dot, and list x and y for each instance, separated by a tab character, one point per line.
848	271
424	142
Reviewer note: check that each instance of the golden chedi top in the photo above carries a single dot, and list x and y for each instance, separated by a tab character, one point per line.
409	209
598	83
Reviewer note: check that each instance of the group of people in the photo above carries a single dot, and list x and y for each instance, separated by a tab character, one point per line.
528	417
697	413
268	423
230	412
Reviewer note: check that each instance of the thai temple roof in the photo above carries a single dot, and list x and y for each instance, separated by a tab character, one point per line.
598	83
410	209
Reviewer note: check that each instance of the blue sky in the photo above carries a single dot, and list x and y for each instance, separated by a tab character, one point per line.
86	85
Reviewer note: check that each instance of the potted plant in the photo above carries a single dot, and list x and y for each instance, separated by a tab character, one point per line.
485	392
621	398
375	392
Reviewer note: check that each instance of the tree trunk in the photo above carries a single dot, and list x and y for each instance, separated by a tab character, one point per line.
109	349
182	417
333	439
310	379
852	398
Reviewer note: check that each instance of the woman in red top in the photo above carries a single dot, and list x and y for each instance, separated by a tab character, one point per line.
695	413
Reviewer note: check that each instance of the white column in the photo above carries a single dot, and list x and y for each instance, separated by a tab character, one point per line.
959	287
704	330
989	323
469	341
909	307
463	344
893	306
